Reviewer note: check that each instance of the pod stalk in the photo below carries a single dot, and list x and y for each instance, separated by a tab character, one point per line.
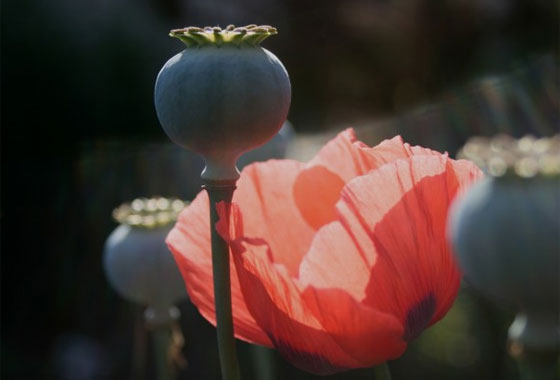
219	191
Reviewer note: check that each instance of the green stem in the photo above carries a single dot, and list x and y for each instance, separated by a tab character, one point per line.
162	338
218	192
545	368
535	343
264	363
382	372
139	349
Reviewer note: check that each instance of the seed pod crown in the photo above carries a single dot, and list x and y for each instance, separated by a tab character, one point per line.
252	34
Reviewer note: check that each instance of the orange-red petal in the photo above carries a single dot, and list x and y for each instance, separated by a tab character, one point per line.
397	215
316	192
368	335
348	157
189	242
335	260
317	188
260	190
264	193
333	288
295	316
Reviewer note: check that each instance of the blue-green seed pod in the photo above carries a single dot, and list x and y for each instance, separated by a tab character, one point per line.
506	229
223	95
136	260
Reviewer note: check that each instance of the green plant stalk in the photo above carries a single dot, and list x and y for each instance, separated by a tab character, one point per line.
535	343
544	368
138	369
264	363
161	338
217	192
382	372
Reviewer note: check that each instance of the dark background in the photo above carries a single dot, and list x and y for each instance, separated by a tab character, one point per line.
79	136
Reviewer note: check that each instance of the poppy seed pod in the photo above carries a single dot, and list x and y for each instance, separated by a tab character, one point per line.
505	230
223	95
138	264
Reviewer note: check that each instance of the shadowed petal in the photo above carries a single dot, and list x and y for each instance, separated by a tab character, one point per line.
370	336
338	263
336	277
349	335
335	261
316	192
317	188
398	216
189	242
348	157
418	317
264	193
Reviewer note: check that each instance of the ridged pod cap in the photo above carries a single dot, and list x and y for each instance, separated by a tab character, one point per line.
223	95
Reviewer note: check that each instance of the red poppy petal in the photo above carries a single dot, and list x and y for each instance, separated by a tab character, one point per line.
348	157
189	241
275	300
316	192
466	173
320	330
317	188
402	209
337	275
370	336
265	195
334	260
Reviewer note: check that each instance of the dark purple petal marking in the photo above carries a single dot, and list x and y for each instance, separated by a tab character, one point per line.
307	361
418	317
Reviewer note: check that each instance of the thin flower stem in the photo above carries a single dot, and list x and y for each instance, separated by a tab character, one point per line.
139	348
532	369
218	192
264	363
161	337
382	372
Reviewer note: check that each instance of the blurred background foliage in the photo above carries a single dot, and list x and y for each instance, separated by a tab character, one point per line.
80	136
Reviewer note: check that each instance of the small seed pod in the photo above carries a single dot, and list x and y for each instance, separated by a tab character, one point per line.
223	95
137	262
506	236
506	229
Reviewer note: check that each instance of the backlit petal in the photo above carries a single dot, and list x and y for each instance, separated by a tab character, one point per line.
337	263
397	215
368	335
264	194
349	335
189	242
316	192
317	188
334	260
348	157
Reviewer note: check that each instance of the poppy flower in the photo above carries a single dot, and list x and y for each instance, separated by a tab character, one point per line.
337	263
